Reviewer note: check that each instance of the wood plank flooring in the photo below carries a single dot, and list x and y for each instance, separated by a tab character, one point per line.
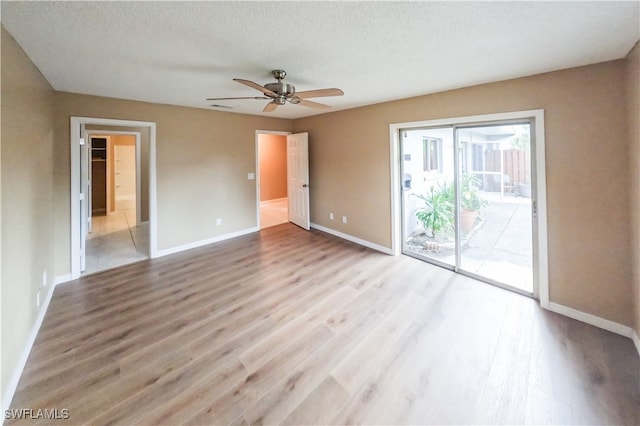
286	326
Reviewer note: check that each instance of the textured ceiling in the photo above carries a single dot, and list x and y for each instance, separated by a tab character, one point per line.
183	52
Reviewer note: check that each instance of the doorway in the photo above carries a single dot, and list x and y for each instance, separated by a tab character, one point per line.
117	234
470	194
113	203
273	201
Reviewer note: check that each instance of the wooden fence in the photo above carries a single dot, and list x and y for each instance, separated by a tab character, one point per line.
516	164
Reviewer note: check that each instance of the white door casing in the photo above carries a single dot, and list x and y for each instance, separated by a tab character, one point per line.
76	135
89	182
85	195
298	179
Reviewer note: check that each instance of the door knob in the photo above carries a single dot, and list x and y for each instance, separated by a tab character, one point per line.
305	186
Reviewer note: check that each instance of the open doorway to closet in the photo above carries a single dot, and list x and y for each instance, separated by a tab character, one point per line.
272	178
118	202
80	188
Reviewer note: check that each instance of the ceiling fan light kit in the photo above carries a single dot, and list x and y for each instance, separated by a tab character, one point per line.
280	93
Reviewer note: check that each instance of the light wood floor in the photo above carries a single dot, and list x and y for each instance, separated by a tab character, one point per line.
294	327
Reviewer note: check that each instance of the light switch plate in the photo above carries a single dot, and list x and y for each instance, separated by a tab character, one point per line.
251	176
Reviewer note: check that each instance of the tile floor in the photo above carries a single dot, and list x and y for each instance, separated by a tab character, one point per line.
115	240
274	212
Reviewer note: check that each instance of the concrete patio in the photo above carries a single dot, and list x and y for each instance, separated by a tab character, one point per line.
500	246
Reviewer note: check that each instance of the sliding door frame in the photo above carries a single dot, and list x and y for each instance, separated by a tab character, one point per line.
539	209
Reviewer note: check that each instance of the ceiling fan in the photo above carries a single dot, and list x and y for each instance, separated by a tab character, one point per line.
280	93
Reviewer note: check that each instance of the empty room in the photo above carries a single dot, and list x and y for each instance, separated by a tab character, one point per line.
317	213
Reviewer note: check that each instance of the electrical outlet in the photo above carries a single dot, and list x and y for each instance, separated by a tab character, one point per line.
330	216
38	299
344	219
251	176
44	279
219	221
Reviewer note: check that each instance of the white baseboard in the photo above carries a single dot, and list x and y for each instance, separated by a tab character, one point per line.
636	340
62	279
201	243
596	321
22	362
374	246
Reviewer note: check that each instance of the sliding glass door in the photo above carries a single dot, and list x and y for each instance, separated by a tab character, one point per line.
466	200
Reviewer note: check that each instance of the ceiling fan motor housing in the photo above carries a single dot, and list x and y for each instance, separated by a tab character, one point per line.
281	88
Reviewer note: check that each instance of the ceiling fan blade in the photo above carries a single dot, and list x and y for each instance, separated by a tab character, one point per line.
255	86
314	105
271	106
319	93
228	99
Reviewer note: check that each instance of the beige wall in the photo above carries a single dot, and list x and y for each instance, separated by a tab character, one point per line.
27	199
203	158
144	161
633	126
587	178
273	166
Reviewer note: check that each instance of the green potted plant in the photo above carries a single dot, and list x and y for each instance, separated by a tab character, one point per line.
437	213
471	202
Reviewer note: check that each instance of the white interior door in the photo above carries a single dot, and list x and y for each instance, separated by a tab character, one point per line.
125	177
298	179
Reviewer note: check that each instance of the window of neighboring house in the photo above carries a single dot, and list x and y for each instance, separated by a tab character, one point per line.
432	154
